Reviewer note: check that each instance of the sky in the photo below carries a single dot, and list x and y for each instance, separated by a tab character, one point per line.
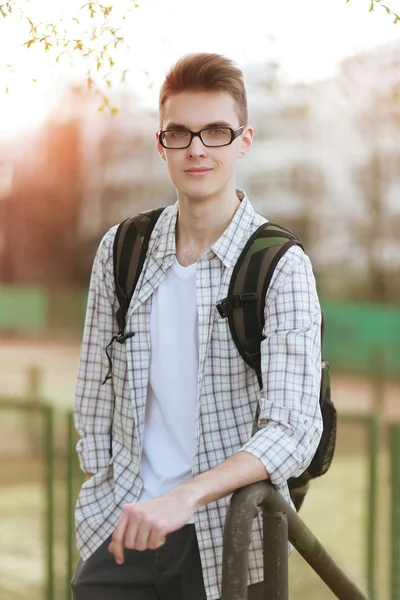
308	38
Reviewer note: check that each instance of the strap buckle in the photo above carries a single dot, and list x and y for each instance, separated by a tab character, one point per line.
227	304
221	309
247	298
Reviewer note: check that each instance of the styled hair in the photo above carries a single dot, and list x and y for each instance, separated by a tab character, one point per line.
206	73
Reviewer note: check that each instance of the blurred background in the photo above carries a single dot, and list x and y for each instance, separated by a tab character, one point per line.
78	114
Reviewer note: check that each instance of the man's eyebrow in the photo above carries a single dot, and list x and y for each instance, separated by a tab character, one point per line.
174	125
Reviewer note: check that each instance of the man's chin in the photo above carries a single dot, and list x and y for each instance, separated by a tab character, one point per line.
198	192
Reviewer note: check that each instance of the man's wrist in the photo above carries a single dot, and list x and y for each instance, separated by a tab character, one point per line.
189	493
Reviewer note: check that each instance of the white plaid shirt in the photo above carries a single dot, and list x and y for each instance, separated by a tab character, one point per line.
289	425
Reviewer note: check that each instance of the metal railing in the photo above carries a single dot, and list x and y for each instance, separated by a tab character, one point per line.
31	407
275	526
394	443
280	524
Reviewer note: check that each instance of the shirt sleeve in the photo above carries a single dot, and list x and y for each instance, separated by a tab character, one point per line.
93	409
290	421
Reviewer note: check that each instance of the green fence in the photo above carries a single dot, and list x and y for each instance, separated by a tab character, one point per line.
354	332
23	310
57	449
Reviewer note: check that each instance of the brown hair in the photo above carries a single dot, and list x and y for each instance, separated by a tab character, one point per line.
207	73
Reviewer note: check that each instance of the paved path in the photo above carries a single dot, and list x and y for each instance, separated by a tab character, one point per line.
59	362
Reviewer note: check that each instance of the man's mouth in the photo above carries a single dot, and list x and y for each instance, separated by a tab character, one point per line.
199	172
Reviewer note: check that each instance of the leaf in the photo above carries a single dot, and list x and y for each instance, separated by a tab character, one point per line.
34	80
29	43
372	6
389	12
108	82
397	18
76	20
112	63
7	90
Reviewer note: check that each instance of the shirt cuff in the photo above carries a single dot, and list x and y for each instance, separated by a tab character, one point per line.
278	451
94	452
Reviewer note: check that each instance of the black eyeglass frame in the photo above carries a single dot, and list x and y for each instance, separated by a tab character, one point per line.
234	134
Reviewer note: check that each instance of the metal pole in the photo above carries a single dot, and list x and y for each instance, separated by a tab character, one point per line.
394	440
70	507
49	475
276	568
375	424
238	525
33	420
371	422
373	441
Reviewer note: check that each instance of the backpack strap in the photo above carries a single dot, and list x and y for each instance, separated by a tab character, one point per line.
244	306
129	252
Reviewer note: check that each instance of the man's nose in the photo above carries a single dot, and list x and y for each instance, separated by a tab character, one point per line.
197	148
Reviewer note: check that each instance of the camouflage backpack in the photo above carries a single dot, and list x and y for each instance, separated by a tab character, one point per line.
243	307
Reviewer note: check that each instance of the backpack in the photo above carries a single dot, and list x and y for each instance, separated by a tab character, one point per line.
243	307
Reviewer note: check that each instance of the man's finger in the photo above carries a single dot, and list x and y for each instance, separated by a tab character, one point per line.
156	540
138	538
117	538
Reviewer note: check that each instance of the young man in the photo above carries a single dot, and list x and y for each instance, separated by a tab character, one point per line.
168	440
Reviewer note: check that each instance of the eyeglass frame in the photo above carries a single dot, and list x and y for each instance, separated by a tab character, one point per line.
235	133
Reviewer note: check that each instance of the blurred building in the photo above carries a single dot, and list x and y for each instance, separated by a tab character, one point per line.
324	163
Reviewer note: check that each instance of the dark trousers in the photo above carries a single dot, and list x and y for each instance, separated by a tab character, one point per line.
173	572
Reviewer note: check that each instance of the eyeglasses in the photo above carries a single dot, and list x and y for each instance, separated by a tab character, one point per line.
212	137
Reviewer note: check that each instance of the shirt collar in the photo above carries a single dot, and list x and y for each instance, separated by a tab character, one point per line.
229	244
165	244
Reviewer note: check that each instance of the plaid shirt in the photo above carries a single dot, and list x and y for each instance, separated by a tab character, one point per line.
110	418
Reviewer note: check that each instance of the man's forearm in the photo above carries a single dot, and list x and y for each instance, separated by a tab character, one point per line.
237	471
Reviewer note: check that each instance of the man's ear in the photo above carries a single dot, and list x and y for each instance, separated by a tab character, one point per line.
246	141
161	149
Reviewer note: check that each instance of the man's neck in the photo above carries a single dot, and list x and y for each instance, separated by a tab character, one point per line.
201	223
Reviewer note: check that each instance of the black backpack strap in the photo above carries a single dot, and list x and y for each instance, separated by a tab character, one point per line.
130	248
245	304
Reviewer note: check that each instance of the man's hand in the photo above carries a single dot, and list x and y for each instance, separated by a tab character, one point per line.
144	525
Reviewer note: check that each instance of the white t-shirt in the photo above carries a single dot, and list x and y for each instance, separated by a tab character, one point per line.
170	421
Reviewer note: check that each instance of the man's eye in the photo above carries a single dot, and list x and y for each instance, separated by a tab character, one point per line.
178	134
217	132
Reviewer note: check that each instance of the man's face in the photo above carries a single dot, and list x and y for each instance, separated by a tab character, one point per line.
195	111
